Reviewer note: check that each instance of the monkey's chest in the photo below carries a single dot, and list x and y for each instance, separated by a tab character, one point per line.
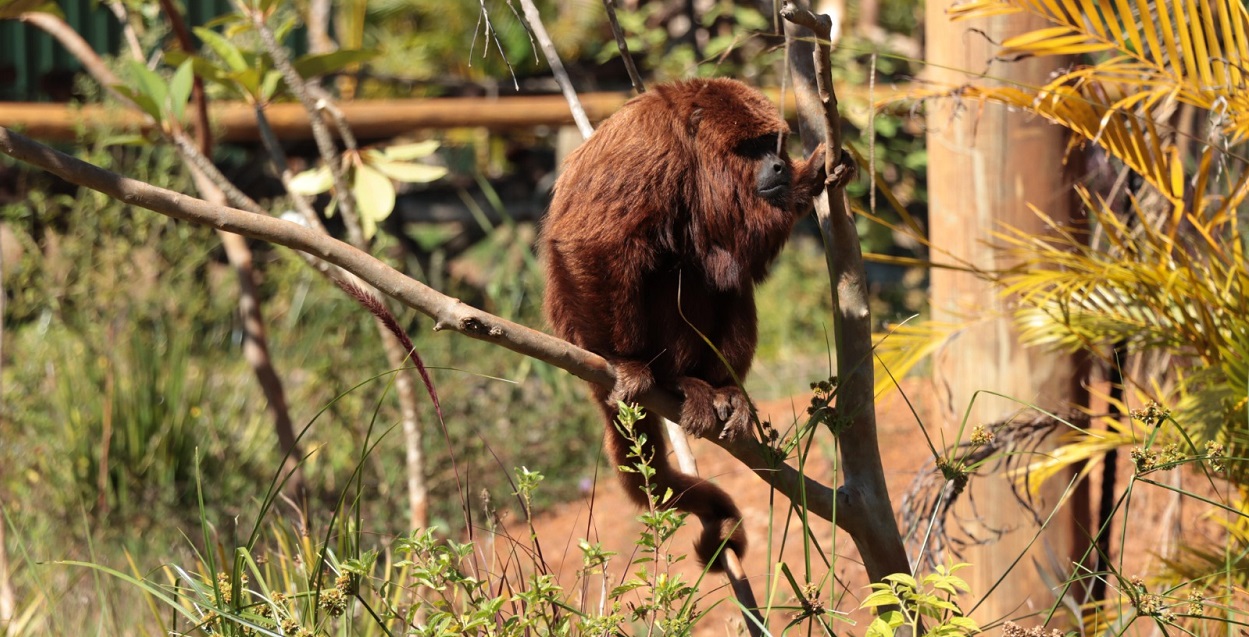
688	322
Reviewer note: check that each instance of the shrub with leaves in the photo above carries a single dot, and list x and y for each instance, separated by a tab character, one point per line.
929	604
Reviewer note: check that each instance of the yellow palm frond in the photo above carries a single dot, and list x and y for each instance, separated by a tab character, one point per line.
1151	56
1197	45
903	347
1084	448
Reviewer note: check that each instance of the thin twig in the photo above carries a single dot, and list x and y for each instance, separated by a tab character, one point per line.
623	45
397	355
534	19
320	132
873	527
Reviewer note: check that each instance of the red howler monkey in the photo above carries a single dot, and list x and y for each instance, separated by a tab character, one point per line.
661	225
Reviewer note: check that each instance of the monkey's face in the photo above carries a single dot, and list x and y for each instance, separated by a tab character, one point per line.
774	175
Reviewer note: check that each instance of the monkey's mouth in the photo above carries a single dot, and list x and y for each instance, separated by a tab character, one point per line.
774	195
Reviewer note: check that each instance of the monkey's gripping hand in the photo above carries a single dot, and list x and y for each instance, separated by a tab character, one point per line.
633	378
705	407
843	173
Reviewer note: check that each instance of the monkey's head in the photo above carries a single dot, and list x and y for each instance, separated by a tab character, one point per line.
747	192
698	168
739	129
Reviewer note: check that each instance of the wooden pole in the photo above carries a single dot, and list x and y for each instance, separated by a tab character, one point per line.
985	165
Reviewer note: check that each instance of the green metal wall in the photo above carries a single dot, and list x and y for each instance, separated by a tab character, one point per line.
34	68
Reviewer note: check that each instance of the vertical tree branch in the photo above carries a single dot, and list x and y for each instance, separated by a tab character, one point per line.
255	340
318	23
320	132
864	496
396	354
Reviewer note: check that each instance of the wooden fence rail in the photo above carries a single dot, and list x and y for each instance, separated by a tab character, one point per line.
370	119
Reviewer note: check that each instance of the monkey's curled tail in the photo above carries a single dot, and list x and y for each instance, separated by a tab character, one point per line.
722	521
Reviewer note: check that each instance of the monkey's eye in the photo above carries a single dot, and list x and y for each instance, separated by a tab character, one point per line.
757	147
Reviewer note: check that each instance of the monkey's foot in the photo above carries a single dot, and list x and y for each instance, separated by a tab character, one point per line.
633	378
733	408
705	407
844	172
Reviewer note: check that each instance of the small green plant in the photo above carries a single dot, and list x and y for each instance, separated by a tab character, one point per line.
668	600
919	604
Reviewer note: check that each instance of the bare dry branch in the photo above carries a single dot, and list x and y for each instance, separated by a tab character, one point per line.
871	523
448	313
557	67
623	45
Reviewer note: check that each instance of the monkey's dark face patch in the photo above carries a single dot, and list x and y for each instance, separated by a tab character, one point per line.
773	171
773	179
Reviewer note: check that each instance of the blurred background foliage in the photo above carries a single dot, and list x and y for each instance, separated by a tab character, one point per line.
123	363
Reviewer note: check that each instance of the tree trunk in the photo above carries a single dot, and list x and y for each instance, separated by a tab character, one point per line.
985	166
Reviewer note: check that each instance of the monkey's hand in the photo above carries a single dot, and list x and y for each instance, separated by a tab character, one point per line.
633	378
844	172
705	407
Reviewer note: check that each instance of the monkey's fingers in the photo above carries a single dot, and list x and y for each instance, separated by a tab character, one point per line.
733	407
844	172
698	410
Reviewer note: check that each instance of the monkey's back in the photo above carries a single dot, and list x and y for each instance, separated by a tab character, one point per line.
626	272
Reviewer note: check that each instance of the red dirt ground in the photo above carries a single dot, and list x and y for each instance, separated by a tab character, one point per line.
904	454
1158	520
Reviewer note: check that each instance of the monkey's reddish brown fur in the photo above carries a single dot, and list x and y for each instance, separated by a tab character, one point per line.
657	224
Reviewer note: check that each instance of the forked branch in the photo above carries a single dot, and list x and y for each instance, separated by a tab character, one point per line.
871	523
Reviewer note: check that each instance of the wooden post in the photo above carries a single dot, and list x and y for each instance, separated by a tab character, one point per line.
985	166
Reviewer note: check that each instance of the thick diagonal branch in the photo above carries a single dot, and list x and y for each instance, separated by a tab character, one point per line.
447	312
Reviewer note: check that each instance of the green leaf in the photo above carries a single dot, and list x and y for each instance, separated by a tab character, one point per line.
375	198
317	64
222	47
269	87
150	83
180	88
630	585
312	182
249	80
124	140
903	579
885	625
408	152
205	68
880	598
965	623
143	101
409	172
